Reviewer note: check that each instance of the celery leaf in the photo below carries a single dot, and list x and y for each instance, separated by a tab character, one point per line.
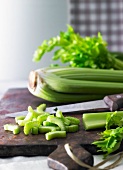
78	51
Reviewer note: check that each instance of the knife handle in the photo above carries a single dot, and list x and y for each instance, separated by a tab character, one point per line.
115	102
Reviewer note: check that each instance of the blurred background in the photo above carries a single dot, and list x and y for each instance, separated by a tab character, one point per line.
106	16
24	24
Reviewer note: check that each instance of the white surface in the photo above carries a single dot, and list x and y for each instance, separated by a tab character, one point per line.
26	163
24	24
30	163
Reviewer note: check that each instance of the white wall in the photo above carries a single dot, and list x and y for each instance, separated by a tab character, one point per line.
24	24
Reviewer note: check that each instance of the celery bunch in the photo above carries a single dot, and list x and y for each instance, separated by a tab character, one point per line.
78	51
67	84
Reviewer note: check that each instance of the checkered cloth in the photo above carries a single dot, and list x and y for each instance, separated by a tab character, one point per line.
88	17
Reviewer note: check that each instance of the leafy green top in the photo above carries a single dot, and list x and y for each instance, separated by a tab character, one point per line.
110	139
89	52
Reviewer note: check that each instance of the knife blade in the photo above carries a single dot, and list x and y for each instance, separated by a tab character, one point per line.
108	103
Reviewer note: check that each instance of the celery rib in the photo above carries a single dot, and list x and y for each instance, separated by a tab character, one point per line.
50	95
66	84
96	120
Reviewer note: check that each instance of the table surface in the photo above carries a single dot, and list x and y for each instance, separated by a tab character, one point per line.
37	162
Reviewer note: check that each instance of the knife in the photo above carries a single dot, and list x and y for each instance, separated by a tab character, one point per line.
108	103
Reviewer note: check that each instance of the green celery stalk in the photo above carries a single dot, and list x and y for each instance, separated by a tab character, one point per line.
96	120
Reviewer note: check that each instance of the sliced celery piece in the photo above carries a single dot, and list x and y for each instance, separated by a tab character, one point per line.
55	134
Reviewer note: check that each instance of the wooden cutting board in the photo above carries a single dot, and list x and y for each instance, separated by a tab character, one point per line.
12	145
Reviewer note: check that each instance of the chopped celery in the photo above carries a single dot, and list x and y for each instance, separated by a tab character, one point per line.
34	130
60	115
55	134
29	125
73	120
46	123
19	118
72	128
54	126
11	127
42	118
29	117
41	108
58	121
35	113
45	129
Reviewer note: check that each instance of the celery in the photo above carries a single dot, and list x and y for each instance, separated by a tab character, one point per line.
50	95
42	118
46	123
30	115
11	127
58	121
45	129
35	122
29	125
55	134
63	85
35	113
111	138
114	119
79	51
60	115
24	121
19	118
73	120
72	128
34	130
41	108
96	120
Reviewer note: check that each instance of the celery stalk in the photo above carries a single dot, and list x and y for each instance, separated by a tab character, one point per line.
65	85
96	120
